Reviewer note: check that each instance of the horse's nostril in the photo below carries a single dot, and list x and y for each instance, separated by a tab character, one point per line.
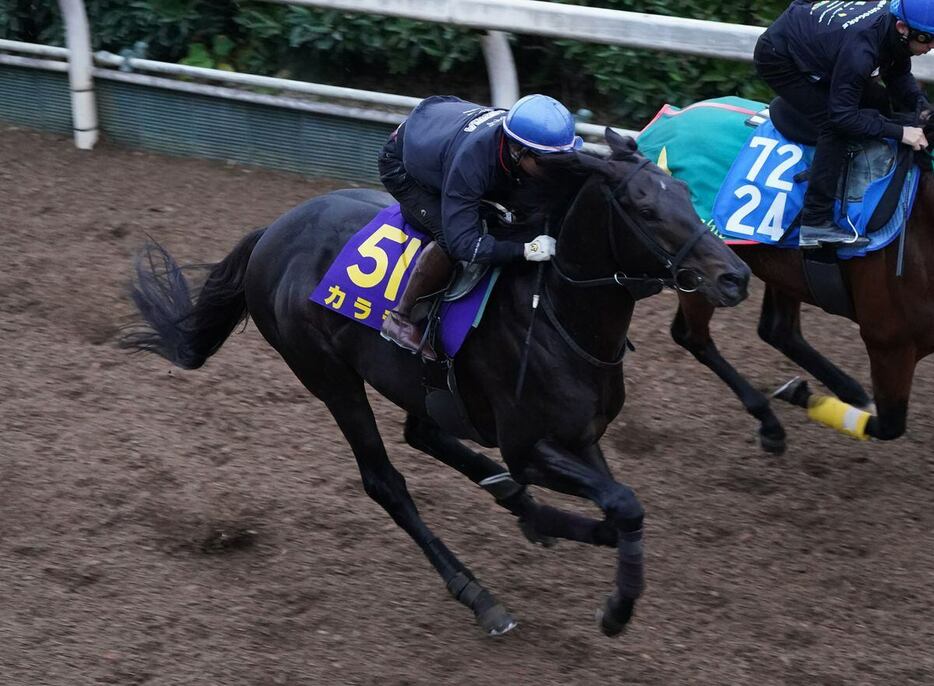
733	284
736	280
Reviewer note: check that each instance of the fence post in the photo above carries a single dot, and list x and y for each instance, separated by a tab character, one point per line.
80	64
501	69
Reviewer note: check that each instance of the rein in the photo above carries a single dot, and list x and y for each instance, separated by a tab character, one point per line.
574	346
672	263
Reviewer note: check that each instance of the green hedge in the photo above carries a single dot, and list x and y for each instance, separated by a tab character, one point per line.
621	85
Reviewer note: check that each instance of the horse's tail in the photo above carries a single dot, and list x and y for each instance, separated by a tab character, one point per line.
183	329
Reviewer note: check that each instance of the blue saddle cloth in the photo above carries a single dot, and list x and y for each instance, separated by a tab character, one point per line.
760	198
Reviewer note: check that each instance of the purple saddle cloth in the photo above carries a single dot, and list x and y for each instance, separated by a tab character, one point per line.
370	273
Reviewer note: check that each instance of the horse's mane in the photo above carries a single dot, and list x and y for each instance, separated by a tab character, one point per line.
565	174
538	198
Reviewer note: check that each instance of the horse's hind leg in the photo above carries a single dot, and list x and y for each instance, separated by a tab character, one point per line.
780	327
892	366
539	523
690	329
347	401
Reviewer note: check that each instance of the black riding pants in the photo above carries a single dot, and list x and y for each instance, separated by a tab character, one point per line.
811	99
421	207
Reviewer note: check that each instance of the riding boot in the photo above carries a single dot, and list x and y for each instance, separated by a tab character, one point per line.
816	234
430	274
817	225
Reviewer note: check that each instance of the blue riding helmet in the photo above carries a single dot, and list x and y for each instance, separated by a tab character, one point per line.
542	124
918	14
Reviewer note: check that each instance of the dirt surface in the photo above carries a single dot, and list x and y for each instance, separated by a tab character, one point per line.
812	569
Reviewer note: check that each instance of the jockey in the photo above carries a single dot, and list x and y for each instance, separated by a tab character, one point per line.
445	158
822	57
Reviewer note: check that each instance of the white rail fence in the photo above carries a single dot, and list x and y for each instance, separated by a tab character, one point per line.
589	24
632	29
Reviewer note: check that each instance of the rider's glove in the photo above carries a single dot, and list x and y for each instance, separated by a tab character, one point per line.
540	249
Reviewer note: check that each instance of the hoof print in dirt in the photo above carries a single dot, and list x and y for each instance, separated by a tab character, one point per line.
220	541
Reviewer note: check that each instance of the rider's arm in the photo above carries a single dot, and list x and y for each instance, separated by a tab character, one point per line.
464	186
853	68
903	86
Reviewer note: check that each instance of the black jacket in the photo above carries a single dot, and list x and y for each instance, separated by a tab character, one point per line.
457	149
844	44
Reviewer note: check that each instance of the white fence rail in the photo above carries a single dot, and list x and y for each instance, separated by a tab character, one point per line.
591	24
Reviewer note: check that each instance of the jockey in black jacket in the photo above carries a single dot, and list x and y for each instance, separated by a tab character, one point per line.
822	57
445	158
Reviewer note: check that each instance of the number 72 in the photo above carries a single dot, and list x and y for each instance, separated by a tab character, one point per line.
775	179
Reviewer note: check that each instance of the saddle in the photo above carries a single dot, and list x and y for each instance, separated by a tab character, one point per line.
867	160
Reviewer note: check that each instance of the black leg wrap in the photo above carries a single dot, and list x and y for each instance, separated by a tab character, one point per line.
468	591
551	521
505	489
630	572
519	504
458	583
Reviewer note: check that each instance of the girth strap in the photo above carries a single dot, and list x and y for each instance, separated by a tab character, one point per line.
825	281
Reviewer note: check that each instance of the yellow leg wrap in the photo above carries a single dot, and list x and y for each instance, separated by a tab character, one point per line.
838	415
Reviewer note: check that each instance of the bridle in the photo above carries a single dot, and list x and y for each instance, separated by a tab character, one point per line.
646	284
682	279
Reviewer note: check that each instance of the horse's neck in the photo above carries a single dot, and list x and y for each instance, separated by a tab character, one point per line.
596	318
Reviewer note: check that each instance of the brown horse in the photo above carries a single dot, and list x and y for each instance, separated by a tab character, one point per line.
895	315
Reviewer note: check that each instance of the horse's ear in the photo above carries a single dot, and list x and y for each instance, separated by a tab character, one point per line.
622	146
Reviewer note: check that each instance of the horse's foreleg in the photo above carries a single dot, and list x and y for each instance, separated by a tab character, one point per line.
540	524
384	484
780	327
690	329
562	470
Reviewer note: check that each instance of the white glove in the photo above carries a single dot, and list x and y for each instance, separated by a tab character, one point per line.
540	250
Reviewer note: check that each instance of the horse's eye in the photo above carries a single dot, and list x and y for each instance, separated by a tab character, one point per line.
647	213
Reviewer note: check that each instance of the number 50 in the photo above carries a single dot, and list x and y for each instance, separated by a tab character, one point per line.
370	248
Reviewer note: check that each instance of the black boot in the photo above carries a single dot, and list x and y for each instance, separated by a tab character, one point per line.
430	274
816	234
828	165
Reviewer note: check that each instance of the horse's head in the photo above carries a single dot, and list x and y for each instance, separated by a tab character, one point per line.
656	234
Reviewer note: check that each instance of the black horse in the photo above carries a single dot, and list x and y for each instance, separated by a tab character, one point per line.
623	224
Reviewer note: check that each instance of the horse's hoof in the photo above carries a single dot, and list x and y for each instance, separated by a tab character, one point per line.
771	444
528	530
795	392
615	614
496	621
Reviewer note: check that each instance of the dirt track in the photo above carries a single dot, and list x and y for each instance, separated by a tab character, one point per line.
812	569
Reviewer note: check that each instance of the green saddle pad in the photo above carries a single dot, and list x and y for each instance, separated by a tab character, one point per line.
698	144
